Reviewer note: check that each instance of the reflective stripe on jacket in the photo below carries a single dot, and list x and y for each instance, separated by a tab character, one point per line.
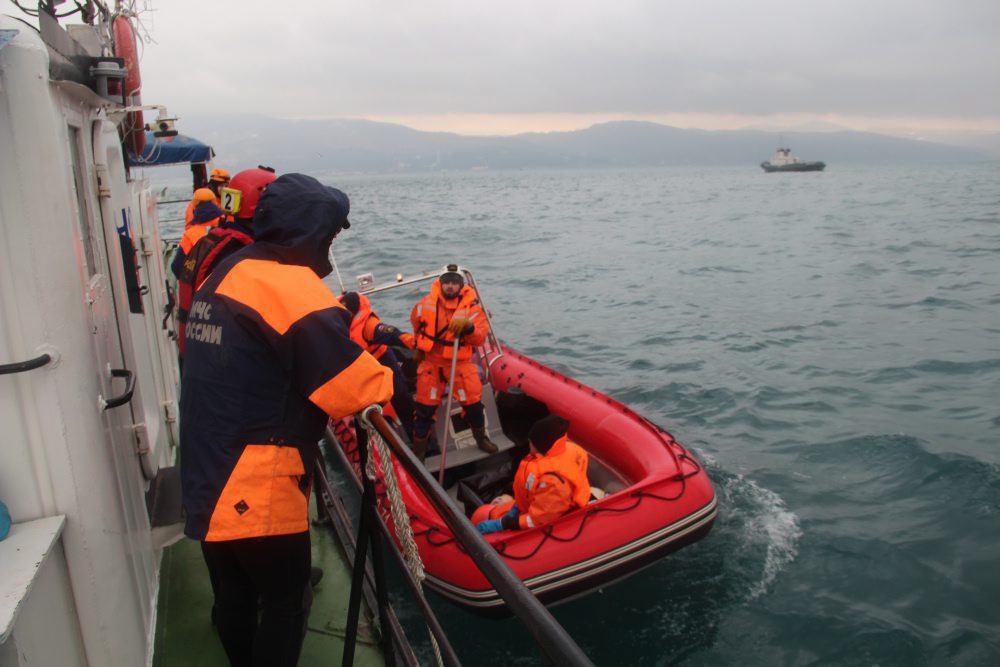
549	485
268	359
432	314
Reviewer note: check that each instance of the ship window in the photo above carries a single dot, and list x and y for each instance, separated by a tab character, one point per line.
86	232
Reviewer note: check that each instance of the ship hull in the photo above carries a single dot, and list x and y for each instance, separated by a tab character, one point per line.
797	167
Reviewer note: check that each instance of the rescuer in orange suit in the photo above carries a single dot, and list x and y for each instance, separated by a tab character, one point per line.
451	309
207	215
551	481
218	179
368	331
268	360
234	231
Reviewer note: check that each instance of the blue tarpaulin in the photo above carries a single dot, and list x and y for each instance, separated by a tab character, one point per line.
171	150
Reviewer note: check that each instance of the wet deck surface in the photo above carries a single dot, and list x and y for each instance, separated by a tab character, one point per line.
184	632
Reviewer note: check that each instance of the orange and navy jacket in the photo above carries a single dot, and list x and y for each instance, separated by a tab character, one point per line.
192	205
207	215
549	485
268	360
432	314
368	331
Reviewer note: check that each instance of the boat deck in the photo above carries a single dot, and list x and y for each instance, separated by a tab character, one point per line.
185	635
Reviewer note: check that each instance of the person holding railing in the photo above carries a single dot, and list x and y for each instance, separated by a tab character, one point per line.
378	338
449	313
550	481
268	361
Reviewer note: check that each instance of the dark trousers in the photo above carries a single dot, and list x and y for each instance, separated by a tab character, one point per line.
262	597
402	403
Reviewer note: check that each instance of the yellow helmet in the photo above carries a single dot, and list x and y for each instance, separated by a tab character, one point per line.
220	175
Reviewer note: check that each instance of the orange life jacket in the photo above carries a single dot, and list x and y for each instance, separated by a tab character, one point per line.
549	485
432	314
195	233
217	244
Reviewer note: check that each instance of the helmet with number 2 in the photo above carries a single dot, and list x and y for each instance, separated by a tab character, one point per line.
251	184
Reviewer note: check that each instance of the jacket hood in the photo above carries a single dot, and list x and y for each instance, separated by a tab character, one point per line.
205	212
297	218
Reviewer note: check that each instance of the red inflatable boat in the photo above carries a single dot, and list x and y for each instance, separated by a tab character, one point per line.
651	496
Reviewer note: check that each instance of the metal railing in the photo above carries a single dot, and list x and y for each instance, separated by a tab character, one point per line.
553	640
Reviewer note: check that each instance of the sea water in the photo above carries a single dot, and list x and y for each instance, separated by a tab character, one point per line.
828	344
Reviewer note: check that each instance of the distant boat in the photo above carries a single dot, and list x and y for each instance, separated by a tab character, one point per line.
783	160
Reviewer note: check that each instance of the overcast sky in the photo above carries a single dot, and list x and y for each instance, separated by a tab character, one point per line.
489	66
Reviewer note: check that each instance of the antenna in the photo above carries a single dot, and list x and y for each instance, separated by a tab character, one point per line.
333	262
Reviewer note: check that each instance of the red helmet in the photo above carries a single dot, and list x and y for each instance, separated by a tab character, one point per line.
251	183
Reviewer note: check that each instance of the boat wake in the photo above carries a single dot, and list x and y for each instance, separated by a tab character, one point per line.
767	532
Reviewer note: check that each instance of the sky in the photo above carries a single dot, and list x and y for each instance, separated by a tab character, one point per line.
491	67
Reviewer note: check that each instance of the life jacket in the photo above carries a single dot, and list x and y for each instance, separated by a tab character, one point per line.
363	327
218	243
431	316
549	485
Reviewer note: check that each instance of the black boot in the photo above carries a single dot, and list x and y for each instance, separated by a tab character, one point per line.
483	440
420	446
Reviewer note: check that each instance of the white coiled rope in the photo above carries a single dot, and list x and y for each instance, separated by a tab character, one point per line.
400	517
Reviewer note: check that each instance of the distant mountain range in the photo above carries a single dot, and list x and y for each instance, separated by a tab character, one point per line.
367	146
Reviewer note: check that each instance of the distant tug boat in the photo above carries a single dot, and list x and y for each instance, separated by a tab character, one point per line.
783	160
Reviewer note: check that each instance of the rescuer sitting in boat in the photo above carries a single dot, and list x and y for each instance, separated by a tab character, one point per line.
551	481
207	214
450	313
368	331
216	181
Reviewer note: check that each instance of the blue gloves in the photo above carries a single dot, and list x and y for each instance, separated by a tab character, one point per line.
507	522
489	526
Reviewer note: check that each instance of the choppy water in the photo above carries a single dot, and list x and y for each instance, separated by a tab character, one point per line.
826	343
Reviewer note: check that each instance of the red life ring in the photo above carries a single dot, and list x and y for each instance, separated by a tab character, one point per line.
134	129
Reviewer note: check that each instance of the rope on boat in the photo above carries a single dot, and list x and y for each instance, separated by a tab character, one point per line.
400	518
548	532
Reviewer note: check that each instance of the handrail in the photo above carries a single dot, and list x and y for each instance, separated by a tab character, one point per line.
339	520
124	397
23	366
550	636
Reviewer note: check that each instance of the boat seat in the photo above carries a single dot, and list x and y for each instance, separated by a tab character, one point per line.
462	448
603	477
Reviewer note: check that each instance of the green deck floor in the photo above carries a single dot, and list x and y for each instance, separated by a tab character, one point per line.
185	635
